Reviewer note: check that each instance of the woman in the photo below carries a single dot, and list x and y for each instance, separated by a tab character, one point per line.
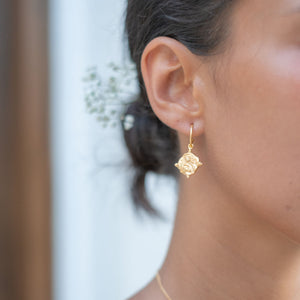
228	72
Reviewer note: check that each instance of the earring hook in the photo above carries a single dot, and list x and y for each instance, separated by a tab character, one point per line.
191	145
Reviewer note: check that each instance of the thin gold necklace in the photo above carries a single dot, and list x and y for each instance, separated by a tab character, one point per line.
161	286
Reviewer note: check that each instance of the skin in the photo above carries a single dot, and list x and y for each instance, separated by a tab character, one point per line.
237	230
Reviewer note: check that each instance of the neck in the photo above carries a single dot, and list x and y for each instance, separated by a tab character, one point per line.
221	250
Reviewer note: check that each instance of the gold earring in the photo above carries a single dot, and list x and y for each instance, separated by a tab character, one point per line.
189	163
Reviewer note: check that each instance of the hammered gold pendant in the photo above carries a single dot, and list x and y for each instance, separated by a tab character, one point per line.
189	163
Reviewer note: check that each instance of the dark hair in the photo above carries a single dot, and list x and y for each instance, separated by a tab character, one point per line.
202	26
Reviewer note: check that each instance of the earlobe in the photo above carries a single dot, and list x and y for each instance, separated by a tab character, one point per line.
169	70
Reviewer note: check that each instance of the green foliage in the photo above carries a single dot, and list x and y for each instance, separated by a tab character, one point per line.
106	98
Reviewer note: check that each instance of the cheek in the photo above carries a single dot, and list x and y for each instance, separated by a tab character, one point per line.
254	147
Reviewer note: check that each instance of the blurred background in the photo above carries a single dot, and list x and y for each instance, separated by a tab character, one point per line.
68	229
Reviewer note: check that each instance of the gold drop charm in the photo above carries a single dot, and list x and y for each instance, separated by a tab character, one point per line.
189	162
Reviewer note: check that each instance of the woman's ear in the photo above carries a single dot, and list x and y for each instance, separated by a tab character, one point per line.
172	76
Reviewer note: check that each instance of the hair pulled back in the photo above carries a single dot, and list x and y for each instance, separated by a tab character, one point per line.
202	26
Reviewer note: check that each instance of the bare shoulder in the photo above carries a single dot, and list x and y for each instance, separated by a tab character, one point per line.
142	295
149	292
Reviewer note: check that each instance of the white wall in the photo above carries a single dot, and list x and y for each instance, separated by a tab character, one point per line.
101	249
